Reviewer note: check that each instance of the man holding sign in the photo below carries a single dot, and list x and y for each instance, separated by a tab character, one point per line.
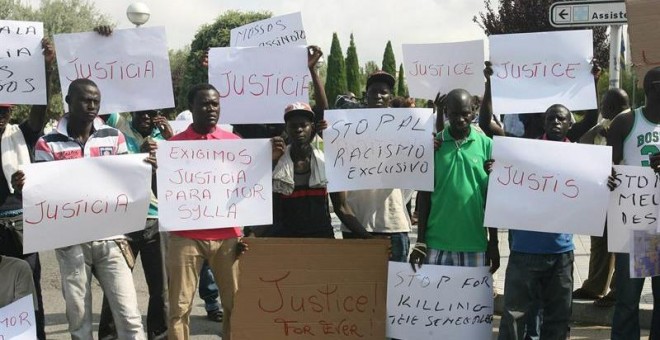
634	140
448	235
17	147
81	134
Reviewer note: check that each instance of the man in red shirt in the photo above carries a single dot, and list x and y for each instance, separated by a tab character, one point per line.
187	250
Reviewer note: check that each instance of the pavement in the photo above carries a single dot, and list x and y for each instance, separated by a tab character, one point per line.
589	322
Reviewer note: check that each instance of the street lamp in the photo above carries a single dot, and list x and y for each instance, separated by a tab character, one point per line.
138	13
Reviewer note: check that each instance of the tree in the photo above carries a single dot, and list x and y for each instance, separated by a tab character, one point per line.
401	88
335	82
522	16
213	35
178	68
58	16
389	64
353	77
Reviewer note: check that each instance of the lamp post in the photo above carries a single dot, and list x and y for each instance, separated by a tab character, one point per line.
138	13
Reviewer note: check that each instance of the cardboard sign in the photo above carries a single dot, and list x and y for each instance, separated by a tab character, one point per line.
633	205
257	83
558	187
276	31
535	70
379	149
644	32
74	201
22	66
439	302
433	68
214	184
17	321
311	289
131	67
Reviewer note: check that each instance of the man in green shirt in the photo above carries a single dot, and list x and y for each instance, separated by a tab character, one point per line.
451	218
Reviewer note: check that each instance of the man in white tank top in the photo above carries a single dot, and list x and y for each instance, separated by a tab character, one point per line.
635	140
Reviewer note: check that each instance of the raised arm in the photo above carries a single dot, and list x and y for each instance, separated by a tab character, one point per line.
346	215
313	56
37	117
486	121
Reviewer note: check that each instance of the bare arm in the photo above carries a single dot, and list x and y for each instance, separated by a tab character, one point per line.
620	128
346	215
486	121
579	129
37	117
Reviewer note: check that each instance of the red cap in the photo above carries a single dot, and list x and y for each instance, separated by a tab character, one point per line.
298	108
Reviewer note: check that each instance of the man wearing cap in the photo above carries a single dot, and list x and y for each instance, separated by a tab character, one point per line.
300	197
142	129
17	145
382	212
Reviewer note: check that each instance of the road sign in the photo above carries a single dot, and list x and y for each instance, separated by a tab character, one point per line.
587	13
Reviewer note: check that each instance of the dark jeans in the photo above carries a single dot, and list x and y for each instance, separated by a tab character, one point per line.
400	243
625	322
147	244
547	278
11	246
208	289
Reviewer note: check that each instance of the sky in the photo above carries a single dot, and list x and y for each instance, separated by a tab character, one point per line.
372	22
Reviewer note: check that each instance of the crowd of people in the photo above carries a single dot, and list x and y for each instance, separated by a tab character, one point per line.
539	276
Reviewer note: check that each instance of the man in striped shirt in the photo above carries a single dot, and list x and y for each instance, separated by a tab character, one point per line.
81	134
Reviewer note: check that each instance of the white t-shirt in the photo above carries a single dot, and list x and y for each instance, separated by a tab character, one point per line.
381	210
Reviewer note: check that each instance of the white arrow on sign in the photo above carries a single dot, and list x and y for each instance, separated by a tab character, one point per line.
587	13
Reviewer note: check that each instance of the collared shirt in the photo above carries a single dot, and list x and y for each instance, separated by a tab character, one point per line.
207	234
58	145
458	201
134	140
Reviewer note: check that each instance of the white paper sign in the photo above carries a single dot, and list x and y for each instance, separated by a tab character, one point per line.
17	321
433	68
439	302
74	201
214	184
633	205
131	67
22	66
257	83
276	31
379	149
535	70
548	186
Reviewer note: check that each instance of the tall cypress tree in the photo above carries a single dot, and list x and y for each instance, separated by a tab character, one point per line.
353	77
389	64
335	82
401	88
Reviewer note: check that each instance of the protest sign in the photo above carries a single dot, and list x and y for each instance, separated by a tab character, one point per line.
644	254
69	202
439	302
433	68
644	32
535	70
214	184
379	149
558	187
633	205
22	67
17	321
131	67
257	83
276	31
337	290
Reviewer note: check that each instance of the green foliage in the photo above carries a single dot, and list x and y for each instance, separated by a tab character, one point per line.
389	64
213	35
58	16
522	16
401	88
353	76
335	82
628	82
178	66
